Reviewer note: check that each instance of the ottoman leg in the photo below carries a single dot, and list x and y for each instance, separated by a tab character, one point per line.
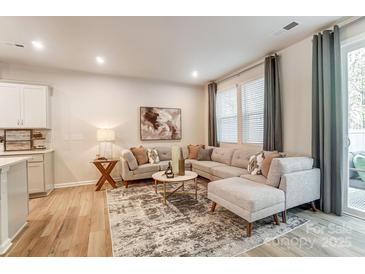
276	219
283	216
313	206
249	229
126	183
214	204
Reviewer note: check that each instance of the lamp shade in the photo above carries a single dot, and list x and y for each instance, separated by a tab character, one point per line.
105	135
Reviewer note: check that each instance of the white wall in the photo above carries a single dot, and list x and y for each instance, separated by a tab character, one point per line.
296	92
83	102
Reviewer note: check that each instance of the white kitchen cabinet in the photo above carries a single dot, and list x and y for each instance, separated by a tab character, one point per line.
13	199
35	177
10	105
35	107
40	170
24	106
40	174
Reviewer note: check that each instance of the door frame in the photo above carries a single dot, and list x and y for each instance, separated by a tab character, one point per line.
348	45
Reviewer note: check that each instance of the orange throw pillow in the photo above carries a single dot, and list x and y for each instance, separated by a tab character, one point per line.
266	163
141	155
194	150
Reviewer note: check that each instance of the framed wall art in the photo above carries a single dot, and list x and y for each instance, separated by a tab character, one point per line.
157	123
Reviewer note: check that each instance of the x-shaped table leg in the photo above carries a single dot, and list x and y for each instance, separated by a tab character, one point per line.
105	175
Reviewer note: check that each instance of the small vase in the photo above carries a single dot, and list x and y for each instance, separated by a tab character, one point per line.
181	164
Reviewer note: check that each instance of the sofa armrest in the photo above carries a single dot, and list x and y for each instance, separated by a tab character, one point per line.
301	187
128	156
125	172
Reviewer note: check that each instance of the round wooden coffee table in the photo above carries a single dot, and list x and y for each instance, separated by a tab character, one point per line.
161	177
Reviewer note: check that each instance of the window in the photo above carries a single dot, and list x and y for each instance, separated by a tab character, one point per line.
227	115
252	96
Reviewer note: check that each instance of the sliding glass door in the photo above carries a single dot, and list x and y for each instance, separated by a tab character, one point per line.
353	54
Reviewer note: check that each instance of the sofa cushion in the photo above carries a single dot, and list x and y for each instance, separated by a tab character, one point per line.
280	166
206	165
164	153
146	168
255	178
141	154
248	195
205	154
241	157
222	155
227	171
130	159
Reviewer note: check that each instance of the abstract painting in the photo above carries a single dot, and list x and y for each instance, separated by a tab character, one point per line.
160	123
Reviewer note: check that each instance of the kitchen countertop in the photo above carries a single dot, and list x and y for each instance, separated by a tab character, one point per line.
4	162
25	152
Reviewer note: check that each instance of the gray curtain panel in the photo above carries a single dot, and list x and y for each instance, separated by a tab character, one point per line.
328	119
273	139
212	123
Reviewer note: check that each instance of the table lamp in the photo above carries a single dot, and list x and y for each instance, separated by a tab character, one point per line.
105	137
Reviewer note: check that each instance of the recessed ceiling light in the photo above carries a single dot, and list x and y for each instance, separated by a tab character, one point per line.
194	74
38	45
100	60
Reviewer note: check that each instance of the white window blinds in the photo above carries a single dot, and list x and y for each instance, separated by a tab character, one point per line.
252	96
227	115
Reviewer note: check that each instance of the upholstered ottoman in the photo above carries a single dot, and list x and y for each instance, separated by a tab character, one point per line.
250	200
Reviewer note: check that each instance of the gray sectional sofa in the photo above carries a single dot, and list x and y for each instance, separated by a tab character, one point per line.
291	181
131	171
294	175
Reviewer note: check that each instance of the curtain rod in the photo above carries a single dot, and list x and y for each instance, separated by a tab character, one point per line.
340	24
241	71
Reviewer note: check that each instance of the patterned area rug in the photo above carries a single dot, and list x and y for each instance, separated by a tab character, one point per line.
142	226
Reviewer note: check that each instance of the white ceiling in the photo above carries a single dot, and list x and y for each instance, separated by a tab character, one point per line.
163	48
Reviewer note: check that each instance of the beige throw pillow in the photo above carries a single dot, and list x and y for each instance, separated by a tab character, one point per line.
266	163
141	154
194	150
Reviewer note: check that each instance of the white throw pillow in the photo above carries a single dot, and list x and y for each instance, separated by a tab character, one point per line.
153	157
255	163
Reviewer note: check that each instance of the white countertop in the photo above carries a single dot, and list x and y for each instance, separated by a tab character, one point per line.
12	161
25	152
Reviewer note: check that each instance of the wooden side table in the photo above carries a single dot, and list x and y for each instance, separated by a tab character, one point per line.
105	171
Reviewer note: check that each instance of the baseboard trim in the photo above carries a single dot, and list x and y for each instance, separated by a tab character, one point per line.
5	246
19	230
81	183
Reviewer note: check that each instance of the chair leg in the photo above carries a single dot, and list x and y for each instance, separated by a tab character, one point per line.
313	207
283	216
276	219
249	230
126	183
214	204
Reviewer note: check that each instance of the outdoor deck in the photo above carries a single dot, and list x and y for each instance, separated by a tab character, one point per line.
356	198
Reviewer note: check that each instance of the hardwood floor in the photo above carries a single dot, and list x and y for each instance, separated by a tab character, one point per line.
325	235
69	222
74	222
